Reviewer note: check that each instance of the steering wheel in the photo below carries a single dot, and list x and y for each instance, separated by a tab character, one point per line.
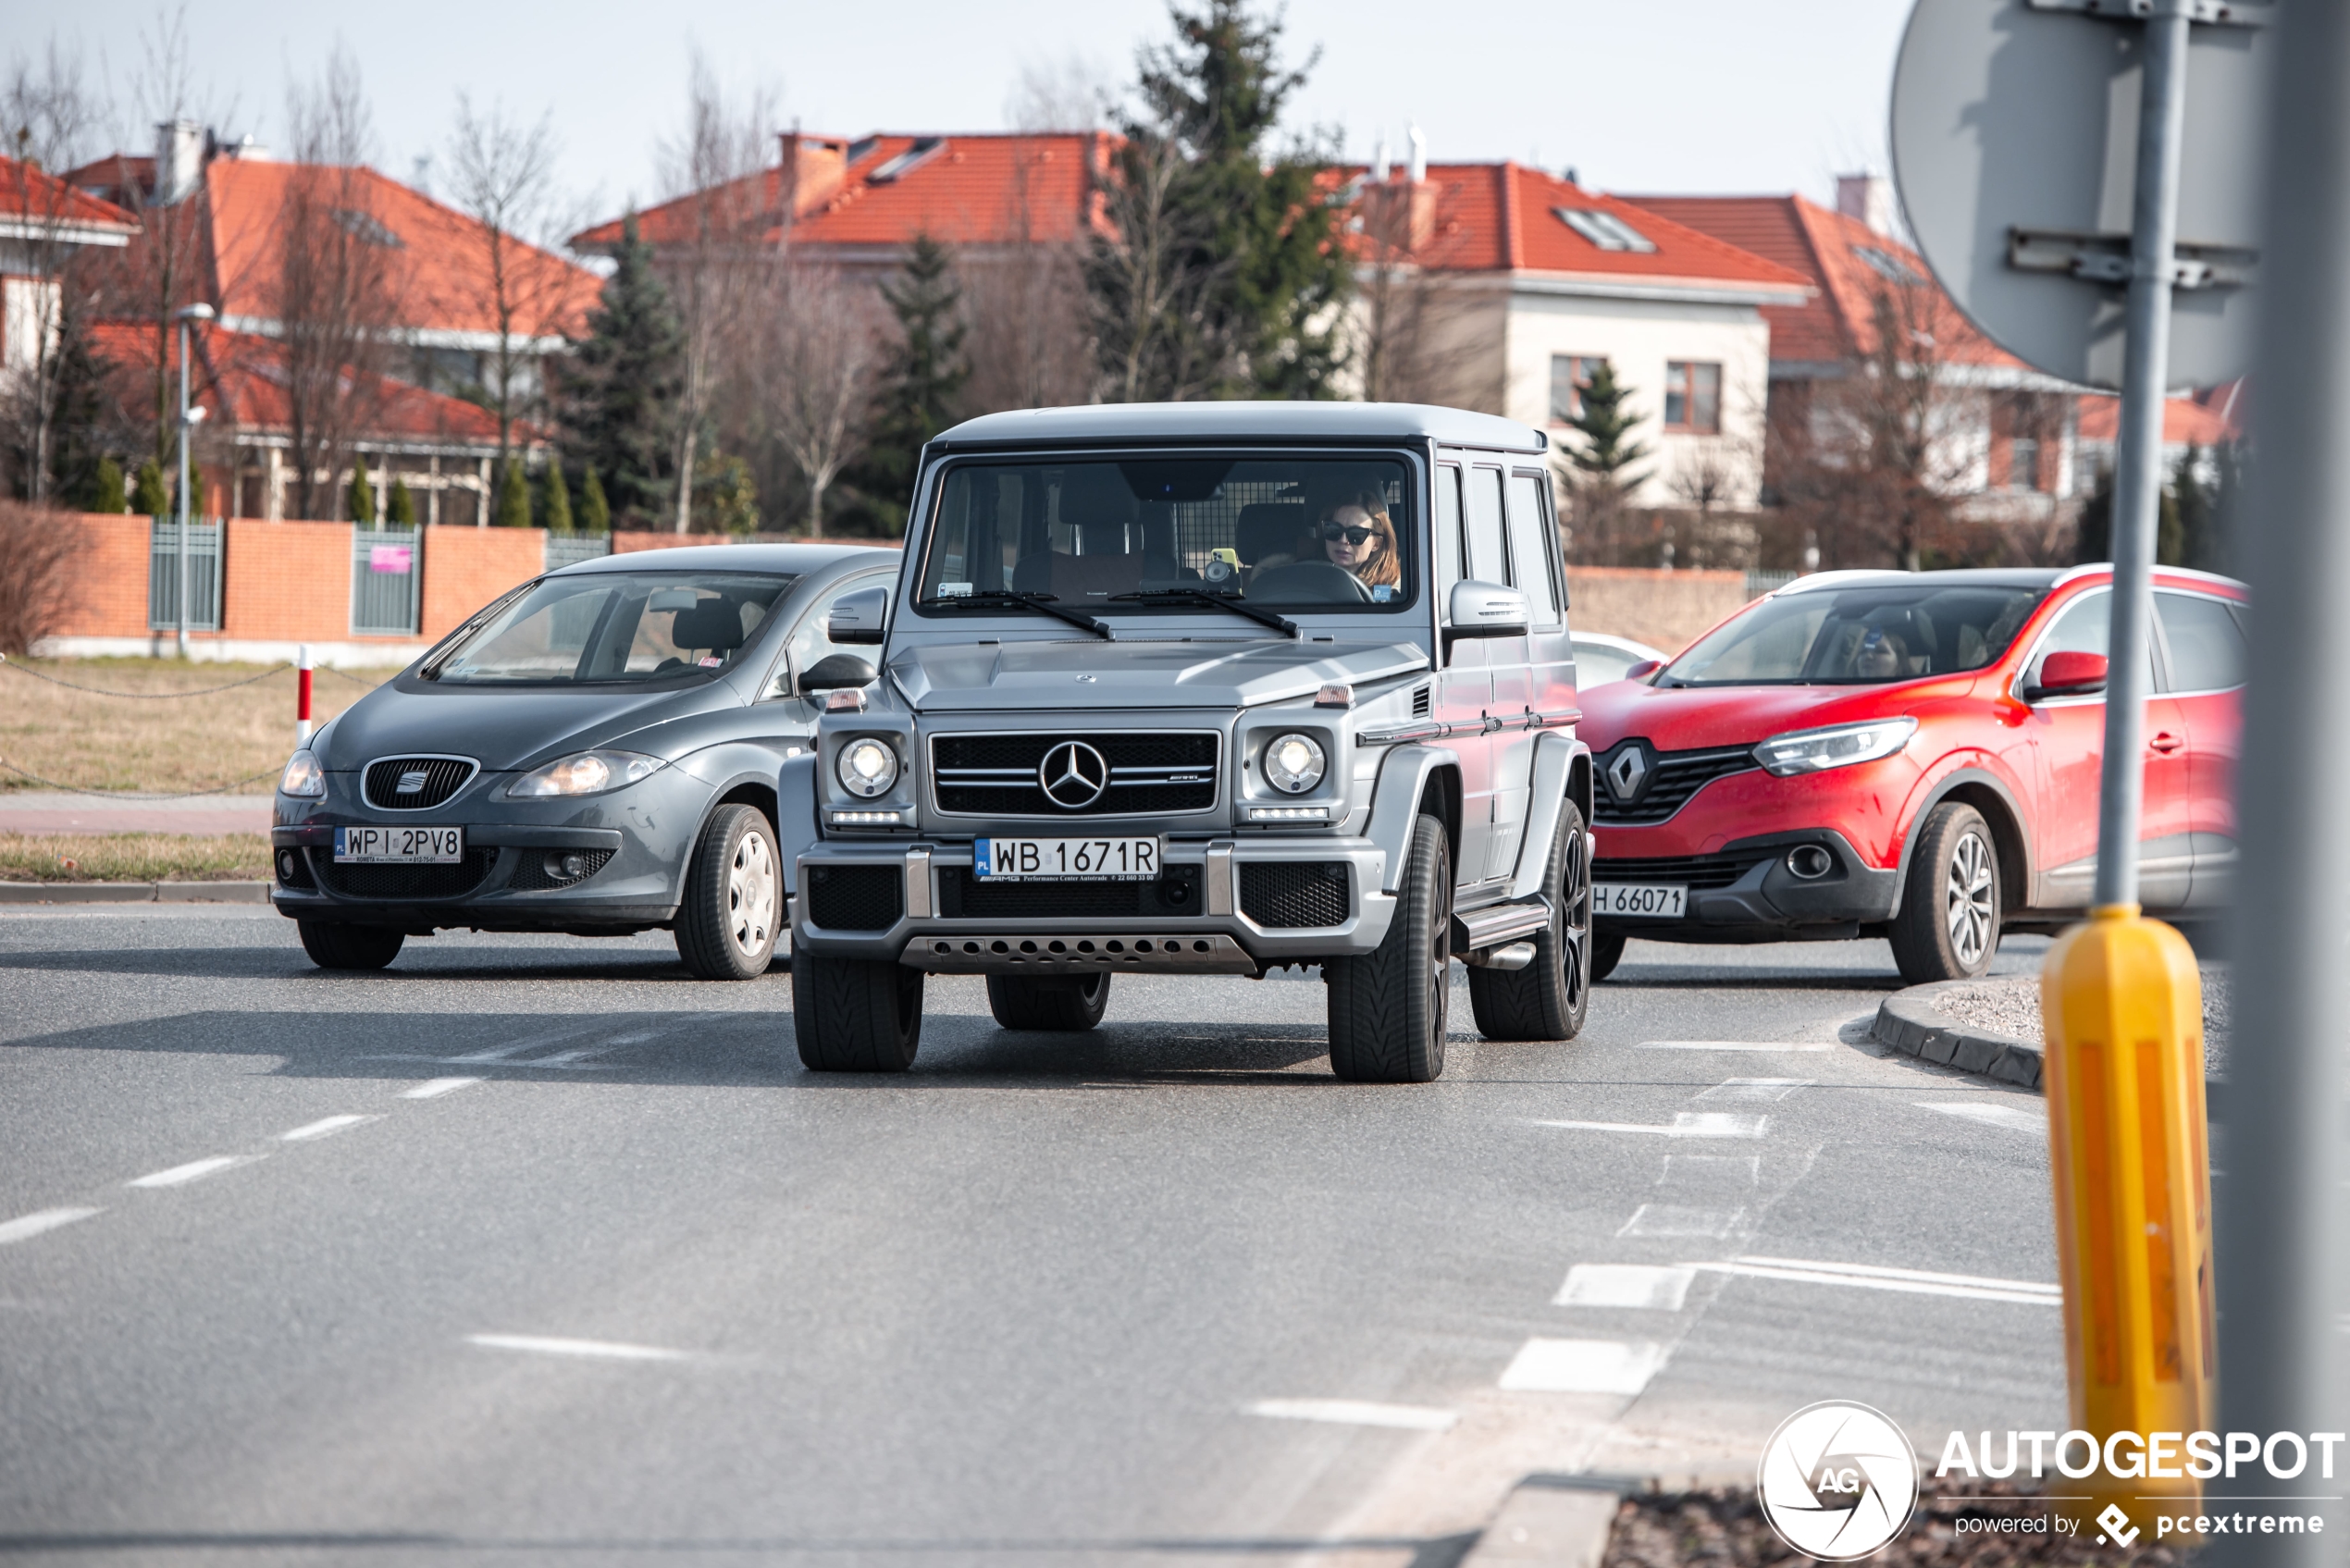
1310	581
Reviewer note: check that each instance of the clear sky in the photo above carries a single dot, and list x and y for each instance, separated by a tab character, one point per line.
1657	95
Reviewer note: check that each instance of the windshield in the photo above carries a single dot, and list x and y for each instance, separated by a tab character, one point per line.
1858	636
1284	533
601	627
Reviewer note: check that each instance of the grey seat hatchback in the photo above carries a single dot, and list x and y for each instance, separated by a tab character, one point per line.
595	752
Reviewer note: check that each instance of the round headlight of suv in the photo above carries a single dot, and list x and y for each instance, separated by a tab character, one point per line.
1293	763
867	768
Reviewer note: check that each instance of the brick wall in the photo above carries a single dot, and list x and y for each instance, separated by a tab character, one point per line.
109	594
1666	609
622	543
287	582
466	568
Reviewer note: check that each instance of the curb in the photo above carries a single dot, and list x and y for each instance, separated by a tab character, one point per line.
134	893
1908	1022
1558	1521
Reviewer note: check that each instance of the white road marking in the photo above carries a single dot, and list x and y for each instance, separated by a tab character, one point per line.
194	1170
1710	1170
1357	1413
1768	1090
2014	1118
1625	1285
1583	1367
1670	1219
434	1089
593	1349
25	1227
325	1126
1908	1281
1733	1045
1684	1124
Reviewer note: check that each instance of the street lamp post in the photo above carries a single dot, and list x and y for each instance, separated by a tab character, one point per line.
188	419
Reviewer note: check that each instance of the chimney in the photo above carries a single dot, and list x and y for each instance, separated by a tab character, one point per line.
178	161
1420	155
1382	165
1868	197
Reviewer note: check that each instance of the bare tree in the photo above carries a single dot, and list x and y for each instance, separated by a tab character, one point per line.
1422	333
503	175
1031	346
1064	94
1149	294
819	351
52	113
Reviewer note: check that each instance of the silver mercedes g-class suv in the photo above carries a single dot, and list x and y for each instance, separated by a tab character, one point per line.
1202	689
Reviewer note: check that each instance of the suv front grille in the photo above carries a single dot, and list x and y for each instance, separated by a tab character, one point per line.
1150	773
855	898
431	779
446	881
1693	871
1291	894
1676	775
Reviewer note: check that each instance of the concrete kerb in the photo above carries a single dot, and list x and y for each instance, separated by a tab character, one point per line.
1909	1022
1566	1521
134	893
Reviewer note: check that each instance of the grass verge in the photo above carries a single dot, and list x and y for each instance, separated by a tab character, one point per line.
134	857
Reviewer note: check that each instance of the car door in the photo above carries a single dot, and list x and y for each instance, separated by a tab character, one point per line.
2204	646
1469	545
1531	675
2068	740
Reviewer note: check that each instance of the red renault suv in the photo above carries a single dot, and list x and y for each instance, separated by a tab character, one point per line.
1912	755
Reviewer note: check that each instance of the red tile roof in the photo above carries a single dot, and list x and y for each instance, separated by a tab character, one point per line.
2185	422
28	194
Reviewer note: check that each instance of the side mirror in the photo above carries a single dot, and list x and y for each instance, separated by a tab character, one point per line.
860	617
1487	609
1642	671
2067	675
833	672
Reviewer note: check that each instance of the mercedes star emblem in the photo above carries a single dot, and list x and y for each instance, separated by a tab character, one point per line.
1073	774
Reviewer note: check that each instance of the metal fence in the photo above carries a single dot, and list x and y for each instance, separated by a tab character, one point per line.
386	570
565	550
163	577
1760	582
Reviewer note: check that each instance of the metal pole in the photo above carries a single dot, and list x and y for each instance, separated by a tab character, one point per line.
182	617
2137	486
2281	1236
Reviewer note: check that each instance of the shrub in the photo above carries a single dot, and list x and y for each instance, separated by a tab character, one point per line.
36	546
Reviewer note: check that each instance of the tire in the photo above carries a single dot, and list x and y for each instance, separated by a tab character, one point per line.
334	946
1071	1003
855	1014
1948	923
734	904
1548	999
1387	1008
1607	951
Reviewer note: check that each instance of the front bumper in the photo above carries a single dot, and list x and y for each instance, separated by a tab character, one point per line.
903	895
1747	891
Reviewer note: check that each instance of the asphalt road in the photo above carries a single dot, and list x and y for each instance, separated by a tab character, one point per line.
538	1251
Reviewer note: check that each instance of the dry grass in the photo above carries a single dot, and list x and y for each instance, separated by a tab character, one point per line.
134	857
85	741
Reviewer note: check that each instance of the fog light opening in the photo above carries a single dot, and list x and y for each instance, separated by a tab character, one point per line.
286	864
1810	861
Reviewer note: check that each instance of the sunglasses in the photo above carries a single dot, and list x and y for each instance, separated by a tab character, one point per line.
1337	531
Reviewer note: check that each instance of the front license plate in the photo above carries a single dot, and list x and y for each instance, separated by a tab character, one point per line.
1066	859
1639	898
399	847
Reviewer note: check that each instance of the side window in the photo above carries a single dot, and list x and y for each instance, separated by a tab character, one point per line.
1529	552
1487	563
2085	626
1448	526
2207	647
808	643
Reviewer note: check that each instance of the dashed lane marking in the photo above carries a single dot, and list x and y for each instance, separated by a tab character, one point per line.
1769	1091
589	1350
2014	1118
1583	1367
433	1089
1357	1413
1625	1285
25	1227
1672	1219
1733	1045
194	1170
1710	1170
1908	1281
1684	1124
325	1126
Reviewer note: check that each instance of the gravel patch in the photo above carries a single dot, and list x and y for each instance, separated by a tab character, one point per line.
2010	1006
1724	1529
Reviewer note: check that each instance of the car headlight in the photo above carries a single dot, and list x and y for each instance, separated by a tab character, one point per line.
303	779
1293	763
867	768
1809	751
583	773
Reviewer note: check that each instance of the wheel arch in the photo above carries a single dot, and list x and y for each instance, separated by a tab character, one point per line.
2010	838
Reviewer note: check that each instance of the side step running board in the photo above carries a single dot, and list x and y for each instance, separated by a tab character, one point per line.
1499	923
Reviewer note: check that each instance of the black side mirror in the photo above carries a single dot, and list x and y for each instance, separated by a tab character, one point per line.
833	672
858	617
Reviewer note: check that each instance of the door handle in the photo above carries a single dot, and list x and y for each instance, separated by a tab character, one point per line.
2166	743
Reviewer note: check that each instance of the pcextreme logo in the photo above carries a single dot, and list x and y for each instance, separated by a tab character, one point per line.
1838	1480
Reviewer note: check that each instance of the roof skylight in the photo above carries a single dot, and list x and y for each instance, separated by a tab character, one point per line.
1605	230
1887	265
924	149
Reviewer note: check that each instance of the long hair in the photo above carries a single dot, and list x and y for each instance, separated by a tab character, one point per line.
1386	566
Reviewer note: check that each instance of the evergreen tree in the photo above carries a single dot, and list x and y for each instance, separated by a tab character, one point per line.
595	512
921	381
80	405
513	500
107	497
2093	544
725	496
399	507
554	497
626	378
361	499
1605	425
150	496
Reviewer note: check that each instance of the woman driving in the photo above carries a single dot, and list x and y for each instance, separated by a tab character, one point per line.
1359	535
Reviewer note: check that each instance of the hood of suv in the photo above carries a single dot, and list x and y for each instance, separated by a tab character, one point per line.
503	728
1698	718
1169	674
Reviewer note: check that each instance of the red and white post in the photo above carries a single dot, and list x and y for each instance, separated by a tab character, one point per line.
302	697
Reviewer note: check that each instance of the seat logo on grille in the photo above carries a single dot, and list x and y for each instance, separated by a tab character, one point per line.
411	783
1073	775
1627	773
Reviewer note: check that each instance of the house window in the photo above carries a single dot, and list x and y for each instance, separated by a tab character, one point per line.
2024	463
1569	374
1692	397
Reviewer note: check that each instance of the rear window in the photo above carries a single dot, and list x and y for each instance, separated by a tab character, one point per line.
1857	635
615	627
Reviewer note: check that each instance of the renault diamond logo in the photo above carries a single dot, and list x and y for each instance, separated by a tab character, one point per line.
1073	774
1628	772
411	783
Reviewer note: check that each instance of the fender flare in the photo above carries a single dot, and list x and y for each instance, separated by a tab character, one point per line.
795	816
1559	761
1940	791
1404	779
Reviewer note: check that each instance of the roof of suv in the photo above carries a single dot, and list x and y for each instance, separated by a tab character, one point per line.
1249	422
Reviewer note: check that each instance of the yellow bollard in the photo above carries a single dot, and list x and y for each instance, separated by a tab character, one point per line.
2122	1004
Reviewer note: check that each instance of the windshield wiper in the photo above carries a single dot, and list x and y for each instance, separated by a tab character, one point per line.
997	598
1232	602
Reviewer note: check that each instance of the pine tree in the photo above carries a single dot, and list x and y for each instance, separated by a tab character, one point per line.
150	496
921	381
555	498
1605	426
595	512
624	382
725	496
513	500
79	404
399	507
360	501
107	495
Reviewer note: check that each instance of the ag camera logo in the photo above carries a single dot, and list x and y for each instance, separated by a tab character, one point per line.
1837	1481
